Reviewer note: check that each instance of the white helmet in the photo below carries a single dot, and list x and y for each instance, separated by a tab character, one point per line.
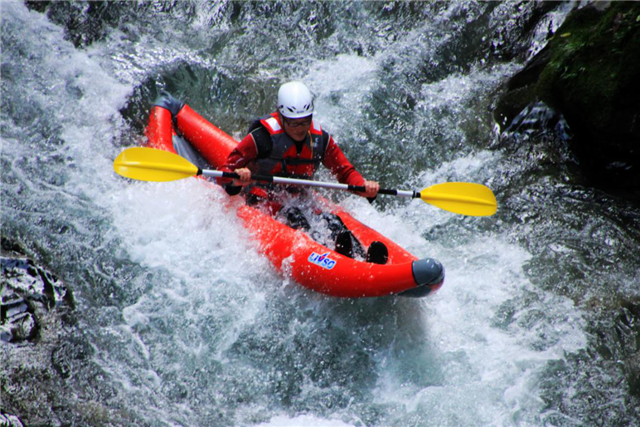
295	100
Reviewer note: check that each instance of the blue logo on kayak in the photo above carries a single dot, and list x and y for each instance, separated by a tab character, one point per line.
322	260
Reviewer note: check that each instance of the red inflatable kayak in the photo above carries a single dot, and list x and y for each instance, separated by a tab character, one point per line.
291	251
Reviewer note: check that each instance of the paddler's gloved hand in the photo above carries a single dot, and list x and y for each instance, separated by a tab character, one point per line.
245	177
371	189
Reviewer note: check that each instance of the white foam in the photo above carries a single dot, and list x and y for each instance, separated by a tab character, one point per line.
472	354
341	85
486	362
302	421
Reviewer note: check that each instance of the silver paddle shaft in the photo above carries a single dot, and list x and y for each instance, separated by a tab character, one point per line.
308	183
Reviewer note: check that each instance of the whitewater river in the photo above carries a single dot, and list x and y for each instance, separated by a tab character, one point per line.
181	320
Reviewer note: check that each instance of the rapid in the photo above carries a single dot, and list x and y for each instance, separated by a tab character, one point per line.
182	322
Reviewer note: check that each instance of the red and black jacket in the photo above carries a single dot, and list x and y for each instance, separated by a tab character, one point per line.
268	150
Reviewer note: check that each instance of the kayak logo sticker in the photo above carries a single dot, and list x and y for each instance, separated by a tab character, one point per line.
322	260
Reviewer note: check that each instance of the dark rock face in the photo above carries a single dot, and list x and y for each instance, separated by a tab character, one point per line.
27	291
8	420
590	73
35	306
47	373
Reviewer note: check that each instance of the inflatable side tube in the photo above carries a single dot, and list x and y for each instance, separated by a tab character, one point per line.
213	144
160	129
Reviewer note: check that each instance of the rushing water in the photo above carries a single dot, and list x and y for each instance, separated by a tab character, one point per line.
184	324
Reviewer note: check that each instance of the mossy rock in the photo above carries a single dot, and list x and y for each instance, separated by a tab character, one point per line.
590	72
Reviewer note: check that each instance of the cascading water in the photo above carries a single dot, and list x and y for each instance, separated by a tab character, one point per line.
180	322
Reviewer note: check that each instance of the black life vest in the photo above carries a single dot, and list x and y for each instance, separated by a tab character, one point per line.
284	159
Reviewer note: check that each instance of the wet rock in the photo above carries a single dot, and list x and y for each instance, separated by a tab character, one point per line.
19	328
47	373
628	333
67	355
24	276
26	291
8	420
590	74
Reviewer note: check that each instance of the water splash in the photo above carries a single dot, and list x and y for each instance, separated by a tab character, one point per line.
183	323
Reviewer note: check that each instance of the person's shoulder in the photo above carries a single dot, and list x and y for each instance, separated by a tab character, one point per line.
260	132
327	138
262	139
255	124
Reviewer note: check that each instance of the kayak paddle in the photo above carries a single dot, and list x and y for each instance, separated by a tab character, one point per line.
149	164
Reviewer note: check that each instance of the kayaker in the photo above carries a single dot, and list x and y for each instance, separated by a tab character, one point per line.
289	142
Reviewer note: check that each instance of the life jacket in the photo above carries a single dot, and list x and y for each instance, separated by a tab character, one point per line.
284	159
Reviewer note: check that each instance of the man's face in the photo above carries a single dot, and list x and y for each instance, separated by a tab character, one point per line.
297	129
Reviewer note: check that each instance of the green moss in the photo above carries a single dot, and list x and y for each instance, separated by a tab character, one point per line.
590	61
590	73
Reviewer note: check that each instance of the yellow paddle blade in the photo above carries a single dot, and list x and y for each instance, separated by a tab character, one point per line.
462	198
149	164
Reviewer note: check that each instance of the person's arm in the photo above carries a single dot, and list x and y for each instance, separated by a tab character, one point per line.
339	165
238	160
